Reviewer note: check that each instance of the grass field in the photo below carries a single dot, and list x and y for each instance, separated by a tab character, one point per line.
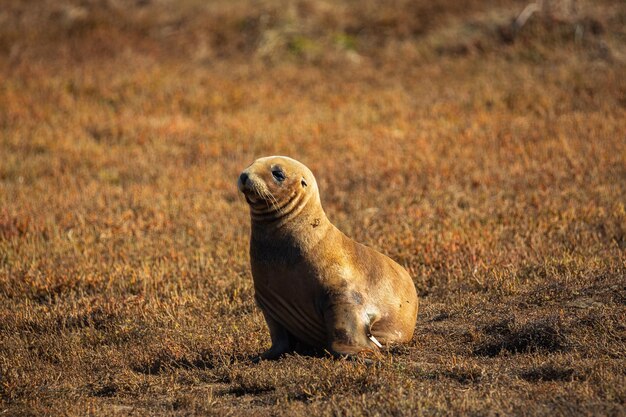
488	159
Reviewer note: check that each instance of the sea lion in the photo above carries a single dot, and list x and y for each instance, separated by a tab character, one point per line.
314	285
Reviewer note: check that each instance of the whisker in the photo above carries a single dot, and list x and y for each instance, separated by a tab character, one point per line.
275	202
259	191
266	197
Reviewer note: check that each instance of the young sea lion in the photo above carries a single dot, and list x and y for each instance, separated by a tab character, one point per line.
314	284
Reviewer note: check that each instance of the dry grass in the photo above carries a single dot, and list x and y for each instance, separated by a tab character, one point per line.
490	162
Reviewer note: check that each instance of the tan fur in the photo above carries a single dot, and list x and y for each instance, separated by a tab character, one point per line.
313	283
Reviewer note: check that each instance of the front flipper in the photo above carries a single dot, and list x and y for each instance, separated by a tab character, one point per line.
282	341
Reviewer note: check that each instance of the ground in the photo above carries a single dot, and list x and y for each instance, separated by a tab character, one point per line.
486	157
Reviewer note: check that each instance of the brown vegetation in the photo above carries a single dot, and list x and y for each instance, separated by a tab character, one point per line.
486	158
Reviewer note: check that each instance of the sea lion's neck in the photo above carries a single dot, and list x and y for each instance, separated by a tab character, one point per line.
302	222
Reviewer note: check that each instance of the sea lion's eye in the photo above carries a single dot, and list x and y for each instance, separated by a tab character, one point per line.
278	174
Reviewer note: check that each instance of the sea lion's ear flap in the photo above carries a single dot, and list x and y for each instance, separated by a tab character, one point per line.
303	182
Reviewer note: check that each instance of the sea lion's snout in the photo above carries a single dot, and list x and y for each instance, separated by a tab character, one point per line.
249	185
243	177
245	187
242	182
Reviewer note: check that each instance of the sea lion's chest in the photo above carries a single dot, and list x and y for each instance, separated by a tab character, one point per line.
287	288
287	278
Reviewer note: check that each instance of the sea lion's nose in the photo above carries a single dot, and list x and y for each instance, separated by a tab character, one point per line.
243	178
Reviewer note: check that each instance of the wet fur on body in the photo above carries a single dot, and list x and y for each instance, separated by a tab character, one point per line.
315	285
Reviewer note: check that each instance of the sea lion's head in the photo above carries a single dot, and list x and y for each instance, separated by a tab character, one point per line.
276	186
